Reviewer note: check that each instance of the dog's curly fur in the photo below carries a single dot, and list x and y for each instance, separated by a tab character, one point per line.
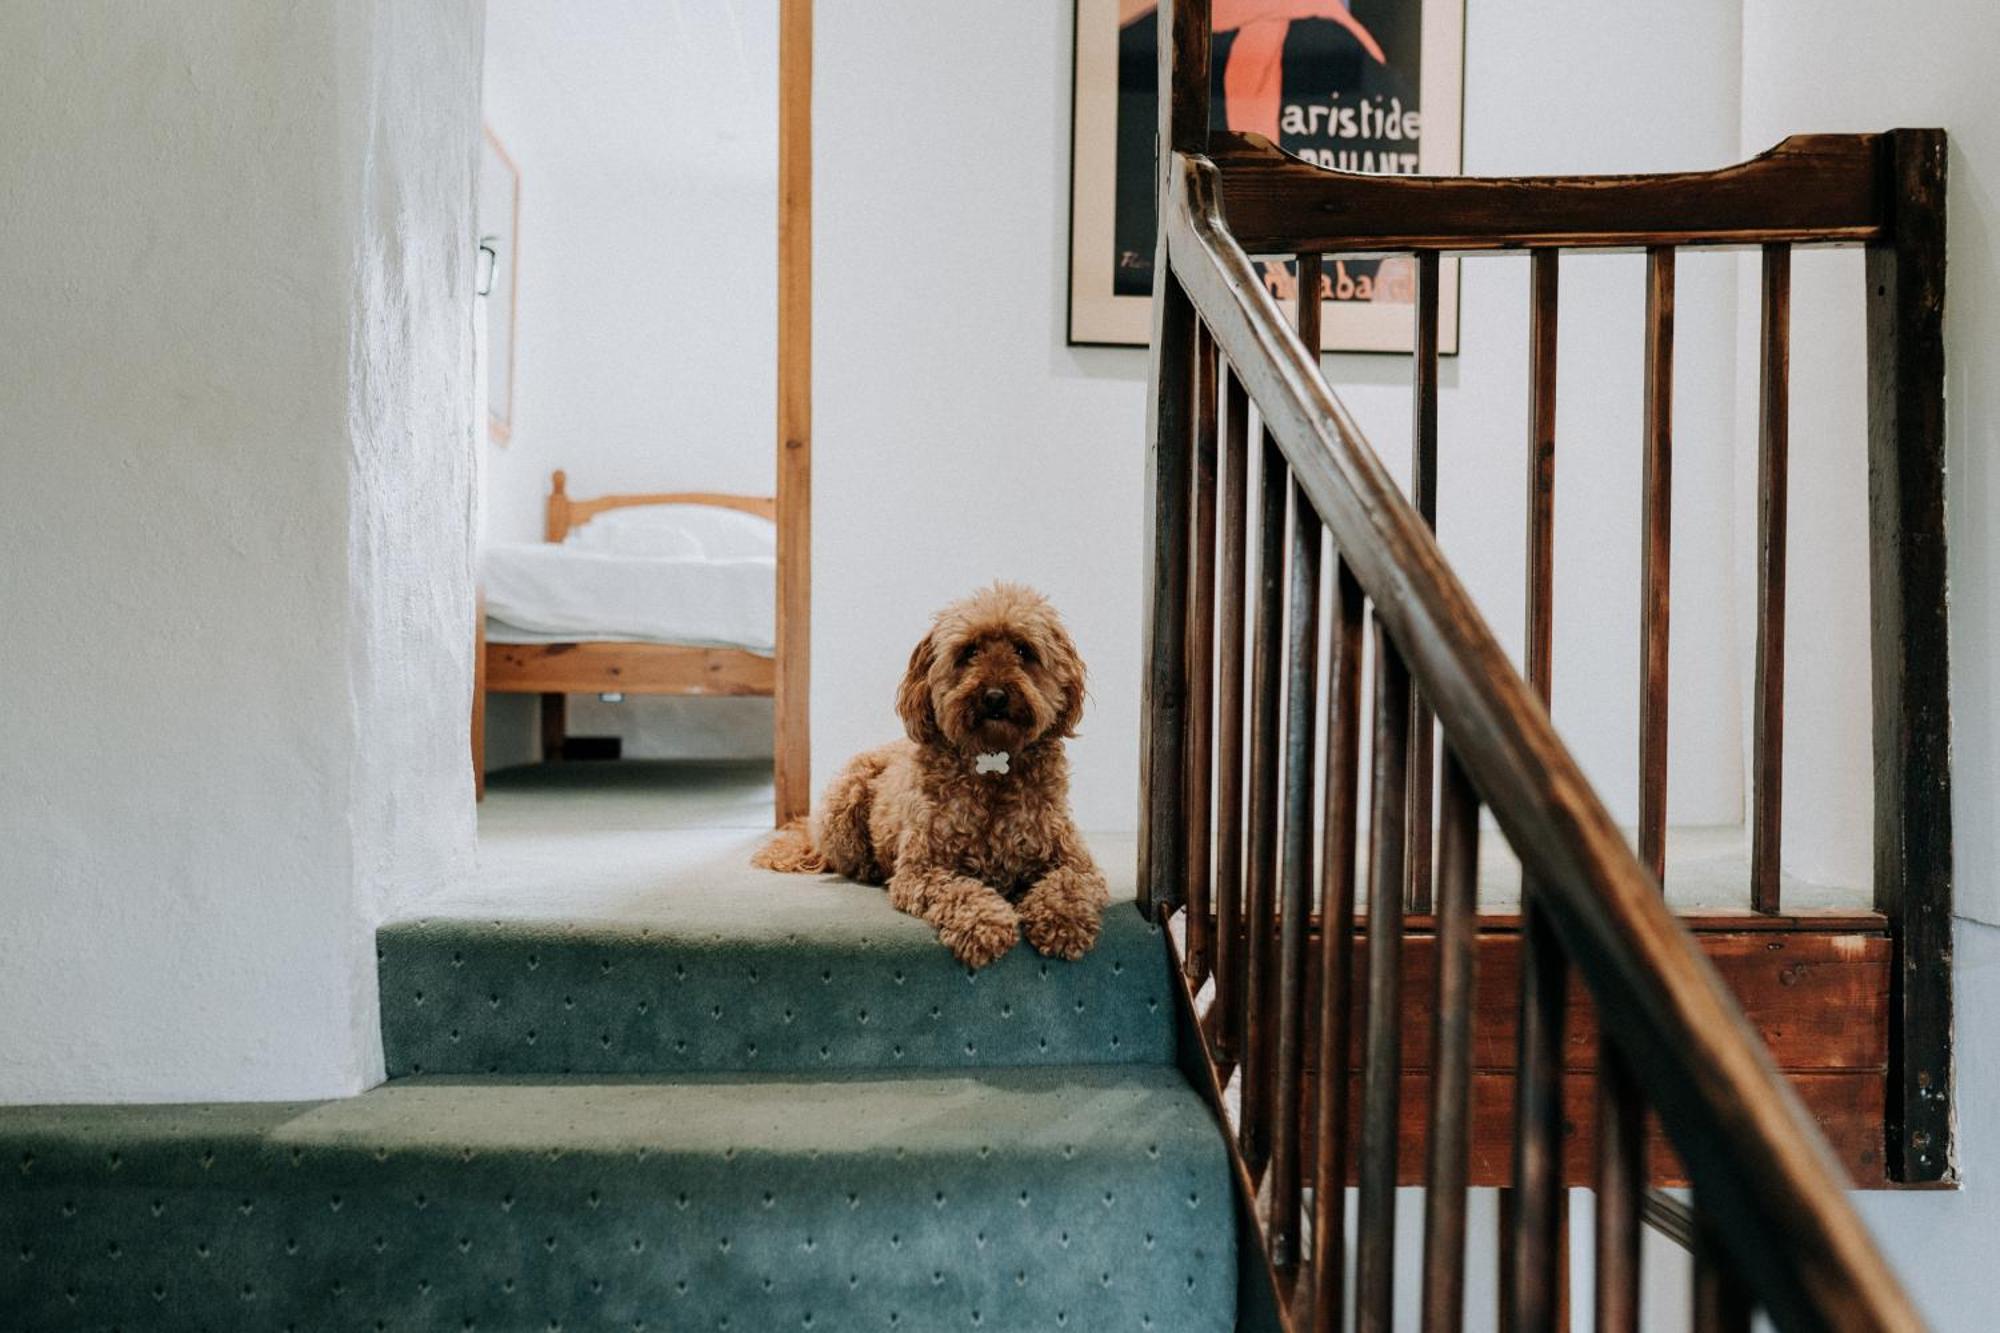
982	856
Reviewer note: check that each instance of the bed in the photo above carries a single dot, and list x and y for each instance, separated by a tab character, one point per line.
662	593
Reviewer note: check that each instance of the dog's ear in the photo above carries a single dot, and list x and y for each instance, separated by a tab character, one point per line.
1067	667
913	696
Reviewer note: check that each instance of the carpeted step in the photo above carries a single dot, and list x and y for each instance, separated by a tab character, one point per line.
1080	1198
777	973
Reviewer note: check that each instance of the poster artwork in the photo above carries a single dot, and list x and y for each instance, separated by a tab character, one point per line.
1340	85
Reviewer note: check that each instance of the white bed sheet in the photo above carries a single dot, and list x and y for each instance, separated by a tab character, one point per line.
545	592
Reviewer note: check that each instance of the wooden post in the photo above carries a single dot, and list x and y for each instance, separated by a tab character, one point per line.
791	693
1906	502
1184	44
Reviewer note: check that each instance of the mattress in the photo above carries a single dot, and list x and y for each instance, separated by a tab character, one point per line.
543	592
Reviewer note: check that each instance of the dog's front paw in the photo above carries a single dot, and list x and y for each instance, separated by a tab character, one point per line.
979	930
1060	921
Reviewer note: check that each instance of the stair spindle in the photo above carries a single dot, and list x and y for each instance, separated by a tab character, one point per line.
1451	1060
1773	447
1375	1269
1267	657
1333	1140
1656	545
1621	1190
1235	557
1163	703
1228	1031
1424	493
1295	885
1538	1279
1721	1305
1201	663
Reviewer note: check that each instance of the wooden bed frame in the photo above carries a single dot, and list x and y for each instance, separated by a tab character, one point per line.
556	670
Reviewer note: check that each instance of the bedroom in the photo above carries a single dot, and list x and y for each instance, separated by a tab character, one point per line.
628	208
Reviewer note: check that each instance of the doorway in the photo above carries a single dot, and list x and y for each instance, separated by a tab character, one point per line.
653	374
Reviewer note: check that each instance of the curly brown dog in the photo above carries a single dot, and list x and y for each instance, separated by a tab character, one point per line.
967	822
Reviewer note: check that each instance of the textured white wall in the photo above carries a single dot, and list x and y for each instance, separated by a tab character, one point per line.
957	438
1932	65
413	439
200	200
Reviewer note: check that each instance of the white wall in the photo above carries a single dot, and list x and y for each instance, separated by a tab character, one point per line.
646	135
202	197
1926	63
957	439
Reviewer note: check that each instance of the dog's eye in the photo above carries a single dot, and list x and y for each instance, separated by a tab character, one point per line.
1025	653
967	653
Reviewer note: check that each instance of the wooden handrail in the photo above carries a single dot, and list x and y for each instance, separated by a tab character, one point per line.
1811	187
1767	1186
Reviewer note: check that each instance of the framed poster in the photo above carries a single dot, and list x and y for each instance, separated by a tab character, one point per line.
1355	85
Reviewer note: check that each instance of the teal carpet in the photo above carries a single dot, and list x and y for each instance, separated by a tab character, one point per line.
743	1102
1083	1198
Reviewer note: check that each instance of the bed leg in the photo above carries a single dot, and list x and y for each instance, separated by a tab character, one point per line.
555	725
479	695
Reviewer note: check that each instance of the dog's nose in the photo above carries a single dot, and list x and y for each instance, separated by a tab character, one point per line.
993	703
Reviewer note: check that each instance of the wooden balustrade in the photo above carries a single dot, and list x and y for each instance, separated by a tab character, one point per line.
1240	739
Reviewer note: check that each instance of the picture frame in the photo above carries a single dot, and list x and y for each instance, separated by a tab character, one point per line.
1342	91
499	208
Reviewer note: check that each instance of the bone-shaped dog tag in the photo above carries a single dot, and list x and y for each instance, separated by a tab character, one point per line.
990	763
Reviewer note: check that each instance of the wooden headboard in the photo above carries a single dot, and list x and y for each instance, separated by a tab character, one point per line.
566	514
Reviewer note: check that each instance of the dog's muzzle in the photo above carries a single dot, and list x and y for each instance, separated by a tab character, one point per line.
995	706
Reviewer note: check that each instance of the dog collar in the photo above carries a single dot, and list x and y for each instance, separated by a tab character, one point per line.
990	763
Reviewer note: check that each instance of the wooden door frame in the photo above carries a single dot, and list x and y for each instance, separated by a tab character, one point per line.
791	706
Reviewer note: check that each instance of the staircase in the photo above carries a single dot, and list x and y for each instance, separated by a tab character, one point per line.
755	1102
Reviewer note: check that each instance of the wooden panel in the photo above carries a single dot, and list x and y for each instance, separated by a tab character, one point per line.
1911	669
631	668
1818	1001
1810	187
1845	1104
791	705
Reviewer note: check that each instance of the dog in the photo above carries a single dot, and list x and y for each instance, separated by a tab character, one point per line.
966	822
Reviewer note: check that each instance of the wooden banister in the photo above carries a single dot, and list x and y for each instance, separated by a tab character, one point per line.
1769	1196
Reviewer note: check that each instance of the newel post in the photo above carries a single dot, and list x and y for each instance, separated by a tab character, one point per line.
1184	56
1911	687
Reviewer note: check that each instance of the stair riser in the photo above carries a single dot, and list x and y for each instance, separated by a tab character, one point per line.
472	998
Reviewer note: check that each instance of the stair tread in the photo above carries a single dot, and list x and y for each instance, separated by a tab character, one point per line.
1136	1110
1092	1197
